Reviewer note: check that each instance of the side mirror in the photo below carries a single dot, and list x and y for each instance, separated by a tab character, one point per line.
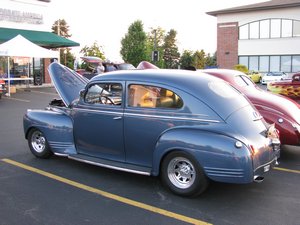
82	93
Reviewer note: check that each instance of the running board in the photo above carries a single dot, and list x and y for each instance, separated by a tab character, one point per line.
111	165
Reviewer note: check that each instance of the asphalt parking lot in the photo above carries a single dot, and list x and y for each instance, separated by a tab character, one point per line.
61	191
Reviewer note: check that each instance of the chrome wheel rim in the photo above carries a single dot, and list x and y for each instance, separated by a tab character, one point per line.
38	141
181	172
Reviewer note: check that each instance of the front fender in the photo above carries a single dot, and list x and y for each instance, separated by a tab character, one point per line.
56	126
216	153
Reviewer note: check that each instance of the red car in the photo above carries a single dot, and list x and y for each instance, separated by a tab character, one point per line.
282	111
289	88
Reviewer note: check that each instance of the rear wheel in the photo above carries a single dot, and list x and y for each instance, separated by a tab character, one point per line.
182	174
38	144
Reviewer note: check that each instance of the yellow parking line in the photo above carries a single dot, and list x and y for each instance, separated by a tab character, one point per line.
108	195
287	170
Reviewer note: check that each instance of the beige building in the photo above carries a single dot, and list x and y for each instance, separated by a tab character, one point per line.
264	36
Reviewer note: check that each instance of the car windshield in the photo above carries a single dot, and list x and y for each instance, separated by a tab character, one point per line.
275	74
243	81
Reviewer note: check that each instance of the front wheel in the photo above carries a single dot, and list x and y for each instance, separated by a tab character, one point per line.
38	144
181	173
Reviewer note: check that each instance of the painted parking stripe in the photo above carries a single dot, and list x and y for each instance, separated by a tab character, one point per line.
17	99
287	170
43	92
108	195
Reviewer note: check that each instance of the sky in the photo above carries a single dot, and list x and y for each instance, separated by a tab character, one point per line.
107	22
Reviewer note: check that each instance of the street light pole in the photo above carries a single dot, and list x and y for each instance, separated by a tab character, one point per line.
65	54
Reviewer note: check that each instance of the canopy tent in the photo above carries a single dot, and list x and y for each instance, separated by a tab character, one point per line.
41	38
21	47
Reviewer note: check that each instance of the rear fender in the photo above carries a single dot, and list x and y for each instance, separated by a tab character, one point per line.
56	126
216	153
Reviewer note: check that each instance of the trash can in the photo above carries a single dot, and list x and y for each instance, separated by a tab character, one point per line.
37	79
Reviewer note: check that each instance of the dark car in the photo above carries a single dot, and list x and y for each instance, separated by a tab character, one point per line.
168	123
284	112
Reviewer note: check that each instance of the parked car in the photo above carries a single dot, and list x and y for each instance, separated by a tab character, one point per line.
285	113
289	88
255	76
273	76
188	129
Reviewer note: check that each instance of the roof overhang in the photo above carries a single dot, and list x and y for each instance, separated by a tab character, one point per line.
41	38
267	5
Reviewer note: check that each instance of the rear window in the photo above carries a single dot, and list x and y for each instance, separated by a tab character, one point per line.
153	97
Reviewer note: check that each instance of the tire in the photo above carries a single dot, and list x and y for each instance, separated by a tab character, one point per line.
182	174
38	144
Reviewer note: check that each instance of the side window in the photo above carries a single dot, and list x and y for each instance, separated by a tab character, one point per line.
153	97
104	93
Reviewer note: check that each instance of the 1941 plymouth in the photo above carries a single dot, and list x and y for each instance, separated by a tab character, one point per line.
187	129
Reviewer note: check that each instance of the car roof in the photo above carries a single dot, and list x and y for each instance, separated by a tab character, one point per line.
181	79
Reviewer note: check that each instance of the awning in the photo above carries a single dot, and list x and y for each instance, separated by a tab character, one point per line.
41	38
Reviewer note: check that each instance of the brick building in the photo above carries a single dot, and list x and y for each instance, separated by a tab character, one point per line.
263	36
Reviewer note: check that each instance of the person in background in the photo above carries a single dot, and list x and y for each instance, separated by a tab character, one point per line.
100	68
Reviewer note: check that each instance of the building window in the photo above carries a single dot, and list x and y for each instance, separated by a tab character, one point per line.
274	63
243	60
253	63
270	28
285	63
295	64
254	30
275	28
296	28
287	28
264	29
263	64
244	32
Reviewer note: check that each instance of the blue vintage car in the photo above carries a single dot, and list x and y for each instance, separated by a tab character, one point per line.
187	128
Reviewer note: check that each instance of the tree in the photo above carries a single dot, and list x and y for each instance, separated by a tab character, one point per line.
93	50
61	28
134	44
199	59
211	61
171	55
186	59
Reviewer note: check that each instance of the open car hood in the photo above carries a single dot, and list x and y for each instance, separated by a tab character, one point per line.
67	82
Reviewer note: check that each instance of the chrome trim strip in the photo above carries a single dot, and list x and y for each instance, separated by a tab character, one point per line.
149	115
171	117
99	111
61	154
109	166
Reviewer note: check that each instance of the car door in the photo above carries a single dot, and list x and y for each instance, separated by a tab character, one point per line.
151	109
98	121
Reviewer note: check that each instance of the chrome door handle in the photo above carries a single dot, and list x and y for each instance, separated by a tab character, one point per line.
117	118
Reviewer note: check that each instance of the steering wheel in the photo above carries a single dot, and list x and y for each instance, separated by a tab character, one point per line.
106	100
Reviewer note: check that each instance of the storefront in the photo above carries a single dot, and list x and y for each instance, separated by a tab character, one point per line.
27	18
